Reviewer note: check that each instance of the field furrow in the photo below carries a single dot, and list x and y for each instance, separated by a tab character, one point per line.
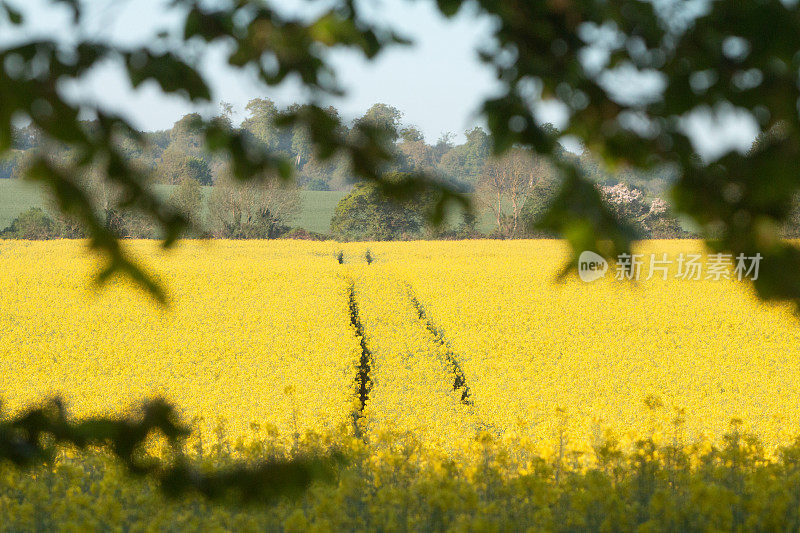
412	387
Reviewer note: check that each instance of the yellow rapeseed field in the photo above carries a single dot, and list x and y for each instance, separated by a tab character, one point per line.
461	338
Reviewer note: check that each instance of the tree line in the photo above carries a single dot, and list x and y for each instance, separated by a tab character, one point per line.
513	189
171	156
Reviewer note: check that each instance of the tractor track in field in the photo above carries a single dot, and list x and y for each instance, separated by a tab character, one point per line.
450	359
364	368
365	363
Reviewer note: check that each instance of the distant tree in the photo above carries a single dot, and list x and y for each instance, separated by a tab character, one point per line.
177	166
186	157
22	162
593	169
468	227
626	202
26	138
68	227
299	139
443	145
159	139
301	147
317	185
384	117
106	196
535	205
366	214
411	134
329	175
504	186
104	193
465	162
260	122
259	210
185	132
316	175
198	170
188	199
417	156
226	111
650	219
8	163
131	224
33	224
660	223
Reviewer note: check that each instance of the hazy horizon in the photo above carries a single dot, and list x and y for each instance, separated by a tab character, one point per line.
438	83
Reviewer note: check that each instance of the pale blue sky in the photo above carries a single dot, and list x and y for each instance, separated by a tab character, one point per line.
438	83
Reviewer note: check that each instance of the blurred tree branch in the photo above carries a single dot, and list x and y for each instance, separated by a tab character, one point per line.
35	436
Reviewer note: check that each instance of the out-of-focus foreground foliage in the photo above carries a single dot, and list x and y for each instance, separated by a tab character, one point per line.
36	436
394	483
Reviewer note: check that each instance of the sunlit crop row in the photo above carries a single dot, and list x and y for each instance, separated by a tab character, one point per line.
412	388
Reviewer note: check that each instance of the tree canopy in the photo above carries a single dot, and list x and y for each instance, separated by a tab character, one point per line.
366	214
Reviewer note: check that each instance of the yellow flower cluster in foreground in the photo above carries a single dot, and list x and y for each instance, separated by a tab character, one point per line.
262	332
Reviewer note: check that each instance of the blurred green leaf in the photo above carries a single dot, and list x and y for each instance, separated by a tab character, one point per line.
171	74
23	442
14	16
